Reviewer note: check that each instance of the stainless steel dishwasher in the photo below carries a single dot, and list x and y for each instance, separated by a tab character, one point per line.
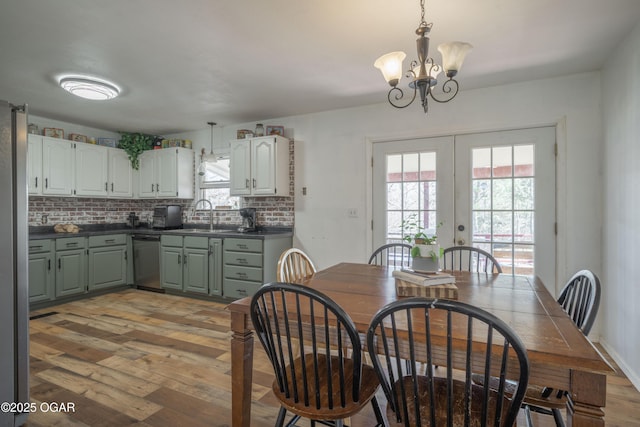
146	262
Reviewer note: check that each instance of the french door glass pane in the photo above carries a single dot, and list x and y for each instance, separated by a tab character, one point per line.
503	208
411	193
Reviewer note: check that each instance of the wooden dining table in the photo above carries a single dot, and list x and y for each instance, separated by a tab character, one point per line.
560	355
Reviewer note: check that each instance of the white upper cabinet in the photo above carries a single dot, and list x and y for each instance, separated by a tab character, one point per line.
92	170
58	163
34	164
240	168
260	167
120	174
166	173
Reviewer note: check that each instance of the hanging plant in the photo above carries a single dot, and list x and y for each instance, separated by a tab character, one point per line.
134	144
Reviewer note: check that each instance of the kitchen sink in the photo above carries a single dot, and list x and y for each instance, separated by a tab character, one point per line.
200	231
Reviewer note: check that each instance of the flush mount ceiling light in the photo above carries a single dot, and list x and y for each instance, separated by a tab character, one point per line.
89	87
424	71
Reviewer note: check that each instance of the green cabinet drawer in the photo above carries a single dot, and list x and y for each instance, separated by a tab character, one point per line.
66	243
107	240
175	241
253	274
243	245
37	246
238	289
196	242
248	259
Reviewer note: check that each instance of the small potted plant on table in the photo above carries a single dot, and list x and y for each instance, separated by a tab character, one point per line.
426	251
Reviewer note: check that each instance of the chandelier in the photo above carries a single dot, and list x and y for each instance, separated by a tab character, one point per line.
423	72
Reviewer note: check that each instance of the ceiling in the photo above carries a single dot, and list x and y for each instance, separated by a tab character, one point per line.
183	63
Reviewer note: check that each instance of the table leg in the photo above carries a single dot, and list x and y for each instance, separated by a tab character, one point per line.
241	369
586	399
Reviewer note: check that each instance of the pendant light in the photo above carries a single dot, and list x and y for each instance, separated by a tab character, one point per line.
207	158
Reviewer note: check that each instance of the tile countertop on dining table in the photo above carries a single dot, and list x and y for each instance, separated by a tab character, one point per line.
560	355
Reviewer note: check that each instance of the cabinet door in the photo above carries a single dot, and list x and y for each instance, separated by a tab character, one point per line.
120	176
215	266
107	267
147	175
34	164
240	168
166	173
263	167
196	270
57	166
40	277
171	264
71	272
92	170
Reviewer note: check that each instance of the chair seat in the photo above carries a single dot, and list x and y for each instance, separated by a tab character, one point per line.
533	396
337	411
440	392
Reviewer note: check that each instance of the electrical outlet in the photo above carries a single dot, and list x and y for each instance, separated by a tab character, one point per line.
352	213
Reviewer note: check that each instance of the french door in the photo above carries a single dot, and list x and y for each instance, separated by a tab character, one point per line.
493	190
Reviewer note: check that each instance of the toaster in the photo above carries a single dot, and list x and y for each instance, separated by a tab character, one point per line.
167	216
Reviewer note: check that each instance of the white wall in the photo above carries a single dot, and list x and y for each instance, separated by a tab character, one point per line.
621	105
331	161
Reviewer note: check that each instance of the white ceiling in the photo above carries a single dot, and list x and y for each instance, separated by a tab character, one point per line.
183	63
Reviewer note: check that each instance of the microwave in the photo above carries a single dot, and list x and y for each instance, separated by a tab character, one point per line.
167	216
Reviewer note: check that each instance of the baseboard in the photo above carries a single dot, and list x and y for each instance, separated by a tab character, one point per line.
630	373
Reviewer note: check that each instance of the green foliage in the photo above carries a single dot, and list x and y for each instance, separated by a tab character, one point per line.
414	234
134	144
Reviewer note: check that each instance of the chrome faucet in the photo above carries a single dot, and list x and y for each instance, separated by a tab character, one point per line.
210	211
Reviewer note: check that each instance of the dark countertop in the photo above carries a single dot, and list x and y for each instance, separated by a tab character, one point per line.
86	230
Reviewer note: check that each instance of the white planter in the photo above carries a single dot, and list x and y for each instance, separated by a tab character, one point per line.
429	259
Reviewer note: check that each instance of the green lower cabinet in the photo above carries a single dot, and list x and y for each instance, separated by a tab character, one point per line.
70	272
196	270
171	263
192	264
215	266
41	276
107	267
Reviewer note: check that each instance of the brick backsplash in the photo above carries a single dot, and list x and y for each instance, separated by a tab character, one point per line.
270	211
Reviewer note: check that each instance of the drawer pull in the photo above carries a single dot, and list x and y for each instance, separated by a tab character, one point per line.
241	274
35	247
242	246
110	240
242	291
72	244
242	261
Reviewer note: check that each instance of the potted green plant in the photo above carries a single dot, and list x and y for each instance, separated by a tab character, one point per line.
426	251
134	144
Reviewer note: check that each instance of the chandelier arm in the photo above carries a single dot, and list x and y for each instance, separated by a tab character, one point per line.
396	94
449	87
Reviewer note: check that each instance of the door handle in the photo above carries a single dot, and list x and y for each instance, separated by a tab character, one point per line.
254	183
46	183
246	183
179	259
36	182
59	263
461	242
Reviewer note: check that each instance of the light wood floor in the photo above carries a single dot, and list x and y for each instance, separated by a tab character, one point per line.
146	359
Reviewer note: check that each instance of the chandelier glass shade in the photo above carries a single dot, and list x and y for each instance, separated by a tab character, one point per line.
424	71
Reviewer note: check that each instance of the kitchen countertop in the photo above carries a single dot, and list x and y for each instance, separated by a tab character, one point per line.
86	230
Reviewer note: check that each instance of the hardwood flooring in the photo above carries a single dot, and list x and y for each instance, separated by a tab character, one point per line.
137	358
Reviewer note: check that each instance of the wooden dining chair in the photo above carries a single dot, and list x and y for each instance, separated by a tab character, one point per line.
468	258
441	332
392	254
294	266
580	299
315	381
